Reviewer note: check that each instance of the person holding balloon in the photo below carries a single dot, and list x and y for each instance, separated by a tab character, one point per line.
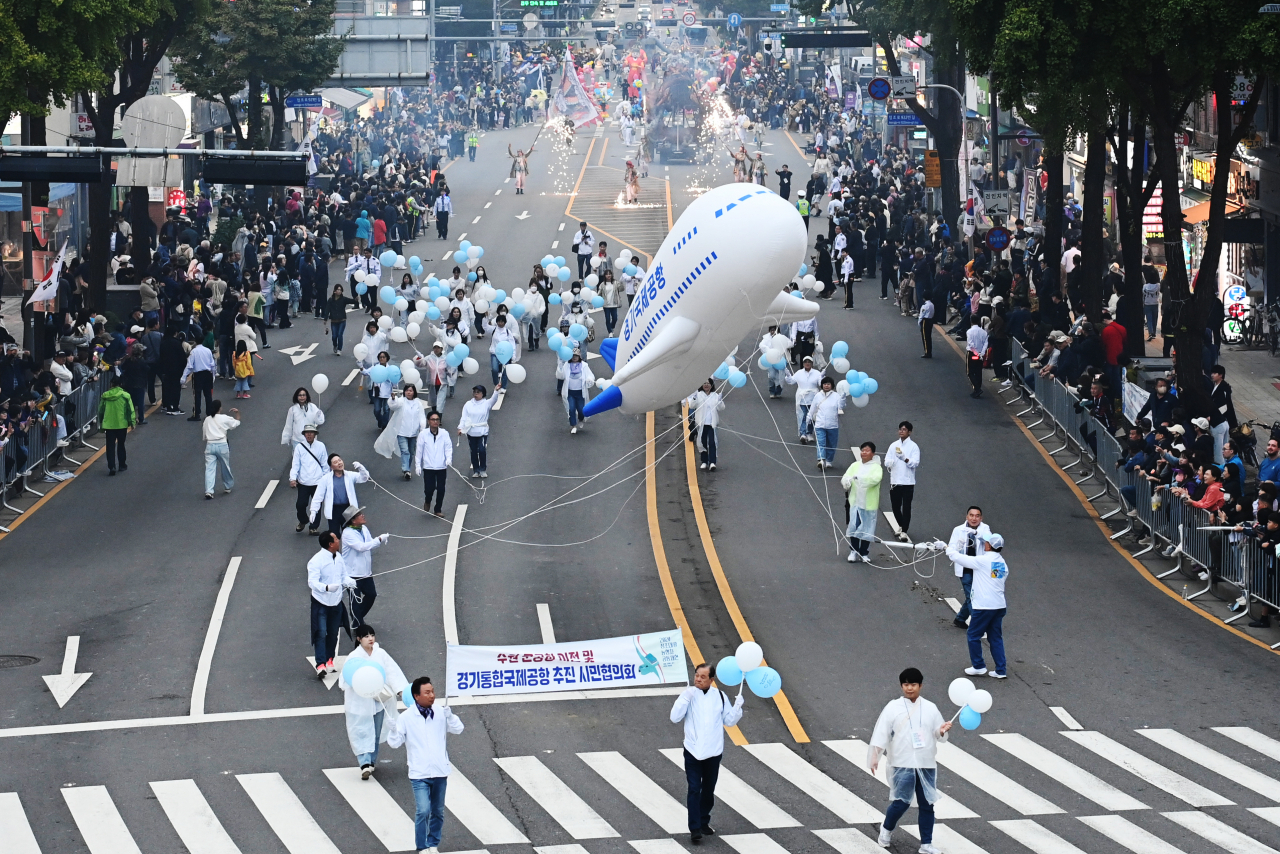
823	421
906	736
366	352
706	404
705	714
371	681
409	419
577	380
502	347
475	423
381	382
990	572
807	381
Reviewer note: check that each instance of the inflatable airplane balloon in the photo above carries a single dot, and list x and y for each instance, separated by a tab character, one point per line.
717	277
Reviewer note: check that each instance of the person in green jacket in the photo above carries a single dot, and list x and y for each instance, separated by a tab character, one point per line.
116	415
862	482
473	142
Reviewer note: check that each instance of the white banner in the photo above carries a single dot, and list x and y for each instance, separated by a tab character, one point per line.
656	658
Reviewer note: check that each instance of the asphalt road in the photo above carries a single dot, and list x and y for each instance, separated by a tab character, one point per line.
133	566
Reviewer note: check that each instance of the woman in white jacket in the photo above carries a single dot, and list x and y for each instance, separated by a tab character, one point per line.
825	410
499	332
806	381
705	405
576	380
531	322
365	715
408	419
774	341
375	341
613	295
301	413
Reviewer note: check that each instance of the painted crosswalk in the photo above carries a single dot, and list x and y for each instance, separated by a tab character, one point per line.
1062	796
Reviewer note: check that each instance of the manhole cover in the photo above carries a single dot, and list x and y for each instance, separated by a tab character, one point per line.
8	661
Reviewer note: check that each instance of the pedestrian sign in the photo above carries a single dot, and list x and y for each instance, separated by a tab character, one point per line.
998	239
735	20
879	88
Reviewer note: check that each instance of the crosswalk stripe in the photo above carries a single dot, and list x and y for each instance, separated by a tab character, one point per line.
192	817
1149	770
285	814
1035	836
1251	738
993	782
753	843
657	846
947	839
855	750
384	817
1124	832
1220	834
848	840
738	796
481	818
559	801
99	821
15	830
1216	762
571	848
1067	773
634	785
789	765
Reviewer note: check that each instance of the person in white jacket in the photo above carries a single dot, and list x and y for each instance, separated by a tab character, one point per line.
902	459
705	712
423	726
774	341
305	473
705	405
336	491
375	341
531	322
357	555
366	716
475	423
301	413
576	380
806	380
825	409
906	736
432	461
501	331
966	538
408	419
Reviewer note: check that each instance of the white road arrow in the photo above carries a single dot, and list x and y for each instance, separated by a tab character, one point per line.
68	681
523	215
300	354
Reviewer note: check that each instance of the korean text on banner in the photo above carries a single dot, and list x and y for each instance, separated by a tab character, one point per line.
656	658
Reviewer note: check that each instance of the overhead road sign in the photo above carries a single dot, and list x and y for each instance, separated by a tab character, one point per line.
253	171
779	7
820	37
304	102
72	169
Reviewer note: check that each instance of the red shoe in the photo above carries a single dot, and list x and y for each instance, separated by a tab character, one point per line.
329	666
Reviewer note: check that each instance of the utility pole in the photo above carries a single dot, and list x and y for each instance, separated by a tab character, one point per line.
28	246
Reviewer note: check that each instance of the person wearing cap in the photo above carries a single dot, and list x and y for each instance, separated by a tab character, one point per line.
61	373
475	423
357	555
1201	444
906	736
861	482
807	381
327	576
306	471
432	460
990	572
965	537
335	492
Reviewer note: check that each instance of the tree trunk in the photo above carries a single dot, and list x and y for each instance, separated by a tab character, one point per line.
140	222
1053	218
254	108
948	136
1130	203
100	207
1092	264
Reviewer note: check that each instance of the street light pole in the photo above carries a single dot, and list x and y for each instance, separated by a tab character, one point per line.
960	102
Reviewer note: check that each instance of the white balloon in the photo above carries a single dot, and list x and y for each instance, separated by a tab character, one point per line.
843	386
384	323
508	302
422	306
470	366
406	365
551	270
749	656
595	261
730	361
775	355
417	316
398	335
414	329
603	383
367	682
980	701
588	294
472	263
619	262
861	400
810	280
401	304
473	252
482	306
359	275
517	293
442	303
840	366
411	376
592	279
400	262
960	690
319	383
515	373
360	351
371	281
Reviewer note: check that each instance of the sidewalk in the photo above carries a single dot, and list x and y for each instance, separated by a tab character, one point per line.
1254	376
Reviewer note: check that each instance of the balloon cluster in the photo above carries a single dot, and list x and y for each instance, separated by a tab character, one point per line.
971	700
745	664
468	254
391	259
856	384
728	371
365	677
556	268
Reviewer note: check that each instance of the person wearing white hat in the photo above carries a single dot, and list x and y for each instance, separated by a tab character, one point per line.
357	555
306	471
990	572
806	380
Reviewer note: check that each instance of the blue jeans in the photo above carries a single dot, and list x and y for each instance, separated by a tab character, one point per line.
897	809
382	411
1152	312
242	385
408	445
217	455
828	438
372	758
966	581
428	817
775	381
325	621
574	403
989	623
802	415
610	318
495	368
335	333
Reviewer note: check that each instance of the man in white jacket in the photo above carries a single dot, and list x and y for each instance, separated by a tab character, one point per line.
434	456
966	539
902	459
423	727
336	492
705	712
305	472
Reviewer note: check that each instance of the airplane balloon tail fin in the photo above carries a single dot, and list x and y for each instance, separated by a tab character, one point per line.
610	398
609	351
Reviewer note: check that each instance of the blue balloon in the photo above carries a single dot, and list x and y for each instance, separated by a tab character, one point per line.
630	269
737	378
856	390
564	275
566	352
393	373
554	299
471	277
433	293
554	340
597	302
362	288
548	259
459	257
780	365
464	246
839	350
851	377
387	294
378	373
354	664
433	282
504	351
722	373
375	162
407	695
433	313
764	682
969	719
870	386
804	268
517	310
559	260
862	376
415	261
500	296
462	350
578	332
453	359
728	672
387	259
481	253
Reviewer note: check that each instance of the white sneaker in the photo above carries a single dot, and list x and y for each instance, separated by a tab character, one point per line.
975	671
885	839
703	466
904	536
930	849
573	430
854	557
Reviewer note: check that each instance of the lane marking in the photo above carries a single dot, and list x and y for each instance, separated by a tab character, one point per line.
450	575
739	796
995	783
1219	833
555	243
669	225
793	768
14	827
266	494
1063	715
636	786
585	161
1127	834
355	372
507	181
193	818
474	221
499	191
722	581
855	750
563	804
1147	769
462	237
561	228
99	821
849	840
753	843
1036	837
487	205
379	811
946	839
497	404
477	814
603	149
545	624
330	679
1067	773
800	151
201	686
65	684
285	813
1264	744
1236	772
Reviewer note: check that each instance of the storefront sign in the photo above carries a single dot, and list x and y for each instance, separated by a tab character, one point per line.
932	169
1202	170
656	658
1152	223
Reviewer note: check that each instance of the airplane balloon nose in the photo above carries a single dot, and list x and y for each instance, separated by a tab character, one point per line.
610	398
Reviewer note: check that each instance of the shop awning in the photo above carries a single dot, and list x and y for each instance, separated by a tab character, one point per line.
345	98
1198	213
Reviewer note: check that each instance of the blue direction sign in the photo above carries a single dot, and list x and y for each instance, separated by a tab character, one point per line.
779	7
735	20
907	119
303	101
879	88
998	239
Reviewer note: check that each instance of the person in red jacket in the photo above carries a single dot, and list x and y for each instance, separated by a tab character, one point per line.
379	234
1212	500
1113	338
